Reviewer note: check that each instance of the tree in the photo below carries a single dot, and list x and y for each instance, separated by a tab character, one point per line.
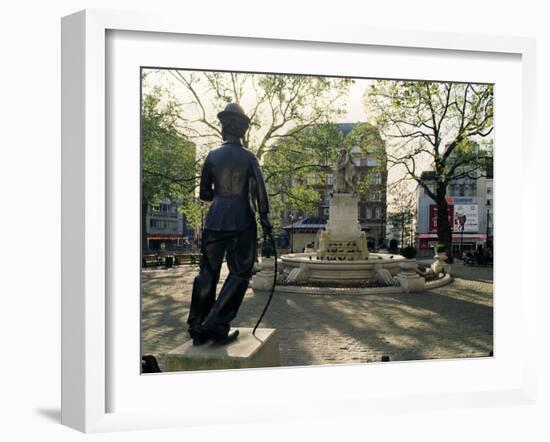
296	169
402	212
280	108
438	125
372	146
169	167
275	103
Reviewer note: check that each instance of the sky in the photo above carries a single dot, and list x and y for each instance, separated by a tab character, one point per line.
355	108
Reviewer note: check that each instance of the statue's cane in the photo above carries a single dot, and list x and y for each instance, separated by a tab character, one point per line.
272	286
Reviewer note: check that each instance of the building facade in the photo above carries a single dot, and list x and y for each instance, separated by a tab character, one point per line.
470	214
167	227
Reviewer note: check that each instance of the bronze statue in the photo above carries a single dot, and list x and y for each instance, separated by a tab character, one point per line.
231	178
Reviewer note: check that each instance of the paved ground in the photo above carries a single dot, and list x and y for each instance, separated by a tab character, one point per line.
451	322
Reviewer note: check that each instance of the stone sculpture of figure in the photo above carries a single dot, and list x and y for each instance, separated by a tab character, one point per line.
231	178
322	242
346	176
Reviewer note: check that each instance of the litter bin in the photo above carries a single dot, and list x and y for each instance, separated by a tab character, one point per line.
168	262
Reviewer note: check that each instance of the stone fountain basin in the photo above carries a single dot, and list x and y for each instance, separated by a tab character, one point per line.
342	271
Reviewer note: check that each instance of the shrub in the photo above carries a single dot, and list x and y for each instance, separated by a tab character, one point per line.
409	252
440	248
267	249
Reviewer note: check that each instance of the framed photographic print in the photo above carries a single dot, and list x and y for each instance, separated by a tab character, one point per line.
260	219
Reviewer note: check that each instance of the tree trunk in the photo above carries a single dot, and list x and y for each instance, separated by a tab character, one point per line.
444	235
402	230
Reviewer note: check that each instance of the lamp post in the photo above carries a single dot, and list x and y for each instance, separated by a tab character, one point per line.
462	223
487	245
402	230
199	240
461	241
291	233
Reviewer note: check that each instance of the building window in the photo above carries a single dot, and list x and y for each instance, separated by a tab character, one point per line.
375	179
330	178
378	212
373	162
161	224
374	196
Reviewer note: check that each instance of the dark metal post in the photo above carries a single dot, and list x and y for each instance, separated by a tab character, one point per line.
462	223
291	233
199	236
402	230
487	230
462	242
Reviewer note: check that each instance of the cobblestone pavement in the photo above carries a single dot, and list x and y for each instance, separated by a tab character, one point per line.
453	321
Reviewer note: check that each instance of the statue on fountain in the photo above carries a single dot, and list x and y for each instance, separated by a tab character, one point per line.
343	239
345	174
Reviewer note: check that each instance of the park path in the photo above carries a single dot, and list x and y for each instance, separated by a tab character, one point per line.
454	321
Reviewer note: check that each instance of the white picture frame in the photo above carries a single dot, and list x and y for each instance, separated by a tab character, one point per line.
86	315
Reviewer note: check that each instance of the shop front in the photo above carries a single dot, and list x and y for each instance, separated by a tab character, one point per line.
159	241
461	242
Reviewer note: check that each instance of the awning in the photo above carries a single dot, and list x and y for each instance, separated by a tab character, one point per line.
166	237
455	236
313	224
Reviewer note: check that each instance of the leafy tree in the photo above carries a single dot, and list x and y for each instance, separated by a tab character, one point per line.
402	212
443	126
372	146
169	168
296	169
275	104
280	108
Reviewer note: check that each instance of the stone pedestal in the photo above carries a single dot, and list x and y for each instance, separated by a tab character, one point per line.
263	280
408	279
440	264
247	351
343	239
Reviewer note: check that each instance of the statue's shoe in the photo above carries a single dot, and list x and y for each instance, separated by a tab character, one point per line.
200	340
231	336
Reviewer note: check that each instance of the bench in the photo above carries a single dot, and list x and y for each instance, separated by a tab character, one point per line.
151	261
188	258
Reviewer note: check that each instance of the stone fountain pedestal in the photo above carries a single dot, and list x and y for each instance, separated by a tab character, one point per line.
263	280
408	279
440	264
343	239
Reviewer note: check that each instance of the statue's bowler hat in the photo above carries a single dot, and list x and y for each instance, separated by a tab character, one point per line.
233	110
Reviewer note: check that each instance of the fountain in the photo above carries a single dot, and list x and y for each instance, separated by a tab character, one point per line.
342	262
